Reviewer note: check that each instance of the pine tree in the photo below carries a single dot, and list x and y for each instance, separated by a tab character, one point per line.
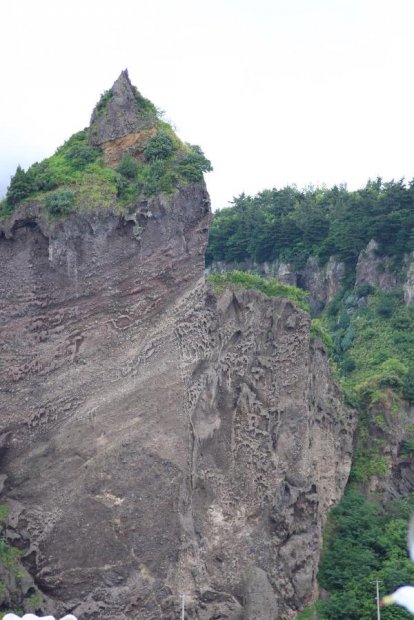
20	187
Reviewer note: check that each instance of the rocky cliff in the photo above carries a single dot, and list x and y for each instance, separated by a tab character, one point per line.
158	439
322	281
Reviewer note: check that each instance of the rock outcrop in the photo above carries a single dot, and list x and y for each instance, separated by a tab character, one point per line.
121	111
322	281
122	122
409	282
159	440
375	270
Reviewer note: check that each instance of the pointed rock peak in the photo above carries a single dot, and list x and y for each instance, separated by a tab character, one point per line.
122	87
121	110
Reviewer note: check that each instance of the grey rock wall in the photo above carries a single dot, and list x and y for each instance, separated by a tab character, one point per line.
161	441
375	270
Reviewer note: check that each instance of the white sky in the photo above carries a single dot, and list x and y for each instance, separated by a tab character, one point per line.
274	91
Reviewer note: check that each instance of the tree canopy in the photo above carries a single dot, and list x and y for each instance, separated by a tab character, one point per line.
292	224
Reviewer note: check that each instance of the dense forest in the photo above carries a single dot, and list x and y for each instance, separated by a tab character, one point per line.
291	224
363	542
370	336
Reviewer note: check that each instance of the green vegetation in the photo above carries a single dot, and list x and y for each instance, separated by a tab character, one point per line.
146	107
128	167
372	344
12	593
5	209
161	146
193	164
373	348
9	559
292	224
318	330
363	543
64	170
310	613
103	101
20	187
60	202
8	555
268	286
35	601
168	164
372	333
76	177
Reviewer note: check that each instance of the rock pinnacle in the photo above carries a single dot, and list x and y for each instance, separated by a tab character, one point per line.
120	111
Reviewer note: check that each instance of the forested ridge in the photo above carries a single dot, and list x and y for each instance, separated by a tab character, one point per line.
291	224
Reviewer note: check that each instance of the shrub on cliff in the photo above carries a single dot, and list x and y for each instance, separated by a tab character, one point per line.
160	146
80	155
268	286
318	330
128	167
194	164
60	203
104	99
408	387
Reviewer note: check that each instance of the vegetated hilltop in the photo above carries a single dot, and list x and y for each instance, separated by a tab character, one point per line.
157	436
352	251
128	153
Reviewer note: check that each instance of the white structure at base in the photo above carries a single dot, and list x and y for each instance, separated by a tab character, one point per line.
34	617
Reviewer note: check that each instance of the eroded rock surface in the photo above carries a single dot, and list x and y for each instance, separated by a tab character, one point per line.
269	427
161	440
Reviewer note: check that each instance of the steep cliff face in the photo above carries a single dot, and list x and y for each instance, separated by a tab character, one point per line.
271	453
161	441
92	389
156	439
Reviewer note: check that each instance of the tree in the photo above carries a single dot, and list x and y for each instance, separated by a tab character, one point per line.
20	187
160	146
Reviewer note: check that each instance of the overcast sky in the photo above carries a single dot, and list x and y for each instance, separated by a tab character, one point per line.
274	91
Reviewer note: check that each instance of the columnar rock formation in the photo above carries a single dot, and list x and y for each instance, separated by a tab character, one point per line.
159	440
